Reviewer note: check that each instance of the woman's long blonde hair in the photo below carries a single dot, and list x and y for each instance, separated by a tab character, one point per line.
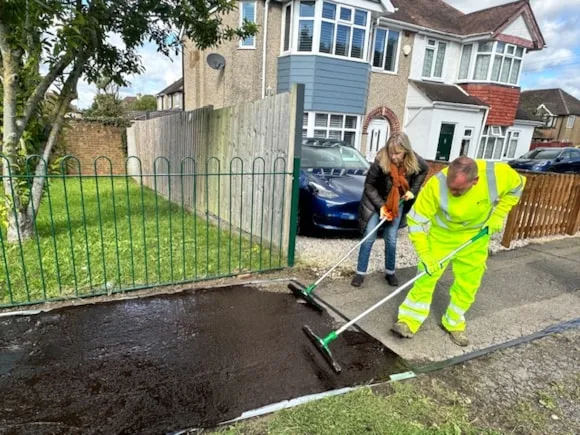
399	140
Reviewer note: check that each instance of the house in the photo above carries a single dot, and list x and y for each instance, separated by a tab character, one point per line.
558	112
373	67
171	98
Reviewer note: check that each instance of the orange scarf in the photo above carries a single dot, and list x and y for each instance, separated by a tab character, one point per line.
400	186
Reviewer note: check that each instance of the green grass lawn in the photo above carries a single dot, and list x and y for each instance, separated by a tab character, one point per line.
107	235
405	410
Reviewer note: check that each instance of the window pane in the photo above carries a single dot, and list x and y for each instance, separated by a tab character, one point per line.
287	27
349	137
358	42
428	62
481	148
345	14
465	58
350	122
307	9
305	35
440	59
505	71
326	37
392	48
342	40
496	68
498	149
360	18
319	133
515	71
380	37
321	120
500	47
485	48
335	134
481	67
468	132
305	120
488	154
336	121
329	11
519	52
510	49
248	10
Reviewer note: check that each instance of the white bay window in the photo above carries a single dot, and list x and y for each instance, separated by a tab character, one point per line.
493	61
326	28
491	143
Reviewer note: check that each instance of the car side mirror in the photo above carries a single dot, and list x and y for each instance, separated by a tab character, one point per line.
558	159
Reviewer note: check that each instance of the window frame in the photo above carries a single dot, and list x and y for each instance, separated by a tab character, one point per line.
570	124
475	53
467	137
397	54
241	45
436	47
509	138
287	7
309	125
317	21
485	137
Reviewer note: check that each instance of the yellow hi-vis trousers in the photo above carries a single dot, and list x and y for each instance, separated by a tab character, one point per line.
468	267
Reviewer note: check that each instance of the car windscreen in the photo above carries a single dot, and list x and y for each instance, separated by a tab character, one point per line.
541	154
338	157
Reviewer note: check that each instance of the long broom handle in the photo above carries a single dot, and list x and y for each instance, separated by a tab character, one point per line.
407	284
374	230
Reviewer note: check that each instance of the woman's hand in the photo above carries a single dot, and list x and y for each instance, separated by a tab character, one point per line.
408	196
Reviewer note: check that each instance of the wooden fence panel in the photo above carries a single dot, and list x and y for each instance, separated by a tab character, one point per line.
236	163
550	205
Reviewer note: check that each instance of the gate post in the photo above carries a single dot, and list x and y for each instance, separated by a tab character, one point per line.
297	117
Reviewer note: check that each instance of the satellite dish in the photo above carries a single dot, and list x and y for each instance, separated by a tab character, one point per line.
216	61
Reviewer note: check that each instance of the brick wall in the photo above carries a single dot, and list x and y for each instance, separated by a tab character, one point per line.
503	101
89	140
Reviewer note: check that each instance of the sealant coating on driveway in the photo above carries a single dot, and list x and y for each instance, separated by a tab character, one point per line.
170	362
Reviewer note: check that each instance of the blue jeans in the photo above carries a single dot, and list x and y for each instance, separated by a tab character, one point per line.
389	234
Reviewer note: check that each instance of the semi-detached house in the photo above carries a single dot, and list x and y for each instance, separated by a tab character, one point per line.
370	68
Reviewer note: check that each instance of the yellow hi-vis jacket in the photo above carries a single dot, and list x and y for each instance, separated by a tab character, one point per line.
499	188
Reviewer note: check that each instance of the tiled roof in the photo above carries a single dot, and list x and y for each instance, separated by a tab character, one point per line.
446	93
557	101
172	88
438	15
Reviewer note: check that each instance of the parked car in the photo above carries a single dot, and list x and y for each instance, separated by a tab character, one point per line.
332	180
566	159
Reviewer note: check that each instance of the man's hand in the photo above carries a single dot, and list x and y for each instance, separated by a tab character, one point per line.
431	265
494	224
408	196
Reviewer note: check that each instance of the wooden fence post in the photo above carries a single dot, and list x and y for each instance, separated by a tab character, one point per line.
573	217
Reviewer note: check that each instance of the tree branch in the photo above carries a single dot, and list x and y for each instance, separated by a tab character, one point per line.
68	94
40	91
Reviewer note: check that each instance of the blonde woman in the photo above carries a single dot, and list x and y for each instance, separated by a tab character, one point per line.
397	173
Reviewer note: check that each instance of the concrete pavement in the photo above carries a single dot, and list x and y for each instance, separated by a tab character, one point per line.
524	292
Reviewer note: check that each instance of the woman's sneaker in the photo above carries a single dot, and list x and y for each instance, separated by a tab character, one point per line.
357	280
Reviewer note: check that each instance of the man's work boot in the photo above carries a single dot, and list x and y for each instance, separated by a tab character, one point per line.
357	280
459	338
402	330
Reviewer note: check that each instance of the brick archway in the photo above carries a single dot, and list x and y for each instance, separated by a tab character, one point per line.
384	112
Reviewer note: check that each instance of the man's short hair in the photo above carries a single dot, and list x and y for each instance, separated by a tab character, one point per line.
463	165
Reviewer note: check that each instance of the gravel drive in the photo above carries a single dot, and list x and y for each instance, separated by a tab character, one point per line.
321	253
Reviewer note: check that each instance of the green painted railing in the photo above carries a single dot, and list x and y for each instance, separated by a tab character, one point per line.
111	227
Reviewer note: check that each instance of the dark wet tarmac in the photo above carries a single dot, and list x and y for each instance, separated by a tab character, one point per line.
169	362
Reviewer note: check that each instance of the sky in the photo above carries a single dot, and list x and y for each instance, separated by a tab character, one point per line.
557	65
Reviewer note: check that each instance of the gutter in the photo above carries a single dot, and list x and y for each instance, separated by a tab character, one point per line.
264	47
450	36
459	105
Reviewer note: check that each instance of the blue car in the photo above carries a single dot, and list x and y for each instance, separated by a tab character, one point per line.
332	180
563	160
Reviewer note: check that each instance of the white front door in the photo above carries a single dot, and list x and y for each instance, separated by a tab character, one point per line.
378	133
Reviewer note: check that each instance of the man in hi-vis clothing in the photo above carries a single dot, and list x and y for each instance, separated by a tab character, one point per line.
454	206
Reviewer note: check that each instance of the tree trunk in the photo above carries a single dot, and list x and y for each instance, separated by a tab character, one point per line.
20	227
